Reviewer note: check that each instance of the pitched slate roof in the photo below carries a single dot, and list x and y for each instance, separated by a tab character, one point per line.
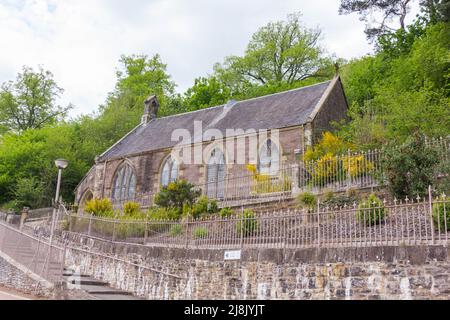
280	110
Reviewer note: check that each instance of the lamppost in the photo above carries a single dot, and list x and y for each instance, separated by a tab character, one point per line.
60	164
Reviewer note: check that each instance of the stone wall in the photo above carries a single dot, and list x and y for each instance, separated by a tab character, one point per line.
148	166
14	278
410	272
335	108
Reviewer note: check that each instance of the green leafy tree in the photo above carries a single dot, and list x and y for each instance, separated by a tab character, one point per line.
281	51
206	92
28	192
30	101
140	76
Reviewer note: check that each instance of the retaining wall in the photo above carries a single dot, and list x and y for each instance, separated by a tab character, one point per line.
408	272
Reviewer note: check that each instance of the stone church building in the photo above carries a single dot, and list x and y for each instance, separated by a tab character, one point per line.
212	146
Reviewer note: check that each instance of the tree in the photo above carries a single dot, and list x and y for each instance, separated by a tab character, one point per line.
389	9
30	101
282	51
206	92
140	76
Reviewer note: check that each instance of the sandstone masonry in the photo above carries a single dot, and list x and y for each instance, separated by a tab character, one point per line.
366	273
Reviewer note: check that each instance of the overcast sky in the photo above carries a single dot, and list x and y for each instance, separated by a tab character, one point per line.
81	41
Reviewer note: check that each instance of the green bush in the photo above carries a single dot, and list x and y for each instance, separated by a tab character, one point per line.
410	167
126	228
176	230
247	223
176	194
340	201
99	207
306	199
441	215
226	212
201	207
131	208
163	214
371	211
28	192
12	206
200	232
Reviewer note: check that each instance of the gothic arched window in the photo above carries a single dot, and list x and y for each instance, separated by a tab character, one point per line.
169	171
215	182
269	158
124	185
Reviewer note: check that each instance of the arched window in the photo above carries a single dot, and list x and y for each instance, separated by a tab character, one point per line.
269	158
87	195
169	171
124	186
215	182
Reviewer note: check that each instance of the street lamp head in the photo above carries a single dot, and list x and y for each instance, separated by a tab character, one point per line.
61	163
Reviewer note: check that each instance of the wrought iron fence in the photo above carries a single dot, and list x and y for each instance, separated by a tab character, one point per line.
35	254
361	169
418	221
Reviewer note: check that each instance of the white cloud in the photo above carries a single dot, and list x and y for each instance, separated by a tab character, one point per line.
81	41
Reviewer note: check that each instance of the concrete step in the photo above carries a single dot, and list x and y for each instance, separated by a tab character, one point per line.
103	290
102	296
87	281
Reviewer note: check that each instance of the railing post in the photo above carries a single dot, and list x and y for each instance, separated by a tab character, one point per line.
349	176
186	235
146	232
430	203
242	227
70	222
90	225
318	223
114	231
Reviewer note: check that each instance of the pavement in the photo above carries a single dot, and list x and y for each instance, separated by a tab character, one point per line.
4	295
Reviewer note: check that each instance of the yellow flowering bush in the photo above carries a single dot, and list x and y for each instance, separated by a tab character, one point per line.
264	183
327	161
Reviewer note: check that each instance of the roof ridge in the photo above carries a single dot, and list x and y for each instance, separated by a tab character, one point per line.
250	99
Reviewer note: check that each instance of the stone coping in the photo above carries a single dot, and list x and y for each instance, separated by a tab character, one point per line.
413	254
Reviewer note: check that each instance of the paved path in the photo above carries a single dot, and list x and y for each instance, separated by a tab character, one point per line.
10	296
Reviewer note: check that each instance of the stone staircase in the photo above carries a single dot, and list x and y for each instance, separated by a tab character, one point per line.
95	289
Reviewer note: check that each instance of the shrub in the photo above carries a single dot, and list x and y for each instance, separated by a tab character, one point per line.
202	206
340	201
441	214
328	195
247	224
371	211
306	199
176	194
410	167
176	230
131	208
163	214
28	192
226	212
11	206
200	232
126	228
264	183
99	207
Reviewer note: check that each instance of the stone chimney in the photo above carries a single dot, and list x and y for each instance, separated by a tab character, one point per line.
150	110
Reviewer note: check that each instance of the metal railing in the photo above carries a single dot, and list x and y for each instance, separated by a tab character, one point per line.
418	221
336	173
33	253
